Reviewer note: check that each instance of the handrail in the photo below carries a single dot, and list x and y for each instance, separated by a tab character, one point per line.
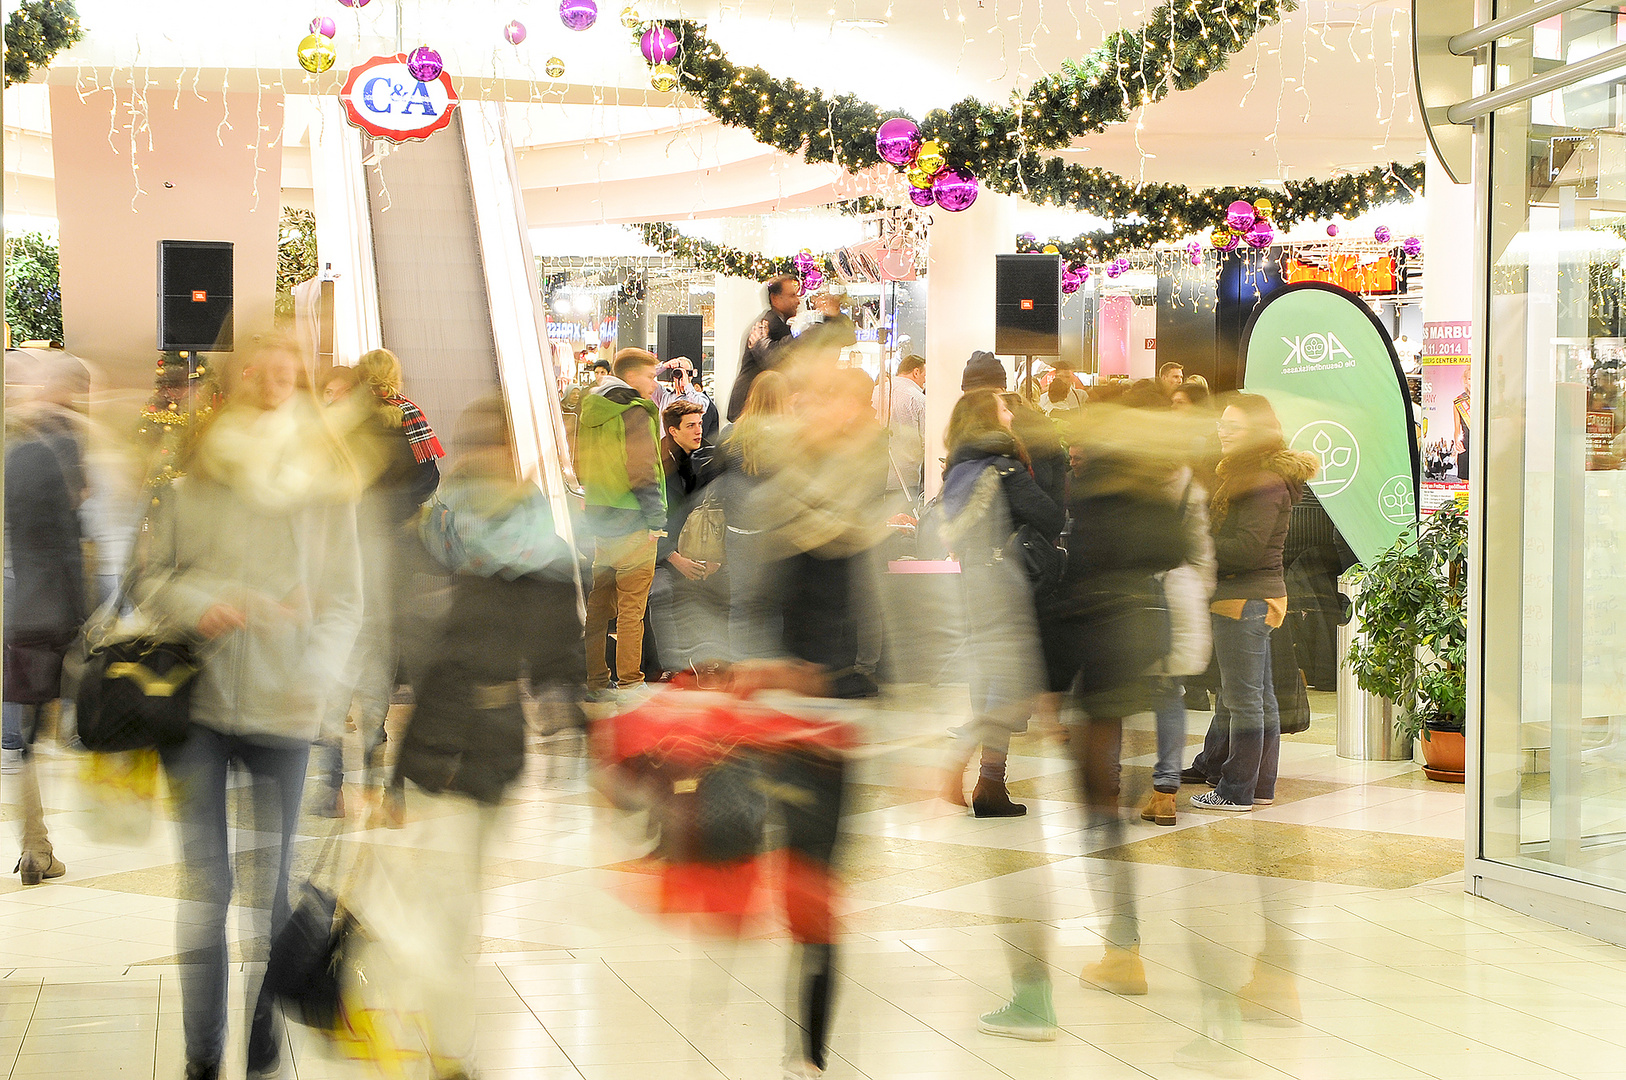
1470	41
1468	111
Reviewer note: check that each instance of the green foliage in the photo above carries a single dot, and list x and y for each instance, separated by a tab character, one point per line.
1179	47
1413	611
33	288
36	32
296	256
735	262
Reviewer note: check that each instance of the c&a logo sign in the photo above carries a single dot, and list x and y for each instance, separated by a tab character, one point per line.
1315	352
385	100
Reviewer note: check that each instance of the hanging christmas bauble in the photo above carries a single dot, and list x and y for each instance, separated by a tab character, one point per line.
1052	249
578	14
1240	215
1332	230
1260	236
316	54
631	19
555	68
930	157
955	190
355	3
659	45
514	32
424	64
922	196
1070	281
1412	246
324	26
919	177
1263	207
663	77
1114	270
1381	234
897	141
1226	239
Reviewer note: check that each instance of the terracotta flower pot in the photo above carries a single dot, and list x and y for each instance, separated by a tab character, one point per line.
1445	752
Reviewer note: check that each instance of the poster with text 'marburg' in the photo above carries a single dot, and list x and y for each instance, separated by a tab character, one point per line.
1445	420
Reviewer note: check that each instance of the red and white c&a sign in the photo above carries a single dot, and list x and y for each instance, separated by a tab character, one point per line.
382	98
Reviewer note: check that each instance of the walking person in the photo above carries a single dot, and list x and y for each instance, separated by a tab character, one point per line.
989	499
760	349
45	596
618	461
254	551
1260	480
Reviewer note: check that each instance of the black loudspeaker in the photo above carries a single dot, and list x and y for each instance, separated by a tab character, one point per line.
194	296
680	335
1027	305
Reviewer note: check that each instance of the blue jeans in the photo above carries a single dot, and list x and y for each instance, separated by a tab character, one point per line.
13	714
1243	747
1171	736
197	770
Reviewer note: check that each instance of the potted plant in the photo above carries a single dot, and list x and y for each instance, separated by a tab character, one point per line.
1413	646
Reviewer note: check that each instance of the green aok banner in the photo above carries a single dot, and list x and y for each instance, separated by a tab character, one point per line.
1329	369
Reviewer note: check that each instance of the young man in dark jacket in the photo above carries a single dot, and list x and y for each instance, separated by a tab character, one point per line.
680	597
618	462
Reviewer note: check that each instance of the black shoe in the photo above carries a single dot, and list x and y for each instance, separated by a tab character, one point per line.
1196	776
1197	700
198	1070
991	799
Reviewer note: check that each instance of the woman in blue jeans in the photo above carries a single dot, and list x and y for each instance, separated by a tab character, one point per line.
254	551
1260	480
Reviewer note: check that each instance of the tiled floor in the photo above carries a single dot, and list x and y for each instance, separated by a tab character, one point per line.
1357	869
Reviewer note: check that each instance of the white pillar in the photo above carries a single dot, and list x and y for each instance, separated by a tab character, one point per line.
739	300
1448	271
960	307
344	232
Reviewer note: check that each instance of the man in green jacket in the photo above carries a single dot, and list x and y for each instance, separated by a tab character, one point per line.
618	463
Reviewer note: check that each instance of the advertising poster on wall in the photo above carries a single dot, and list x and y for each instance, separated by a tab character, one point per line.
1445	420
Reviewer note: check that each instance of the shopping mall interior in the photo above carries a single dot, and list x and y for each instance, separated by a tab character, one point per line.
330	750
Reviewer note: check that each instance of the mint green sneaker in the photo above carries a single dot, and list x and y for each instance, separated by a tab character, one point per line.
1030	1016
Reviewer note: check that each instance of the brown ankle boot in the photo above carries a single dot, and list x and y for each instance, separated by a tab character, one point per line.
990	798
953	790
1271	997
1119	972
1159	808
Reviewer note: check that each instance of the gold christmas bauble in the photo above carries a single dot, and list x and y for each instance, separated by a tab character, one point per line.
1263	207
930	158
1052	249
630	18
663	77
555	68
316	54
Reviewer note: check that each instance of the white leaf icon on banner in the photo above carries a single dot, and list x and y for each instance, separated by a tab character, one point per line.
1340	456
1322	443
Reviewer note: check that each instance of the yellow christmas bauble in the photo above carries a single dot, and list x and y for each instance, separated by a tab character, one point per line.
1263	207
663	77
630	18
555	68
1052	249
1220	238
316	54
930	159
919	177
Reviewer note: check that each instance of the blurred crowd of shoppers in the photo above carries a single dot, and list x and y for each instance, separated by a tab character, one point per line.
1112	545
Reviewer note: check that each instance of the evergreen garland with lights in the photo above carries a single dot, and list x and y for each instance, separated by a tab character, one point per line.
716	258
1178	49
35	33
1182	43
1168	212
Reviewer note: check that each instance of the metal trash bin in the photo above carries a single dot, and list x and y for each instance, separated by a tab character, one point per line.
1366	722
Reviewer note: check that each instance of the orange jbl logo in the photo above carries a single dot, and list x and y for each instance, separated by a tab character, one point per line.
199	296
1027	305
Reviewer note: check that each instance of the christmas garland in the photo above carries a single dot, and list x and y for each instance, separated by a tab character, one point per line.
1180	46
1001	146
715	258
1168	212
35	33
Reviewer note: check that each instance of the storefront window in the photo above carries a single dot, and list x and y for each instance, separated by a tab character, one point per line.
1553	749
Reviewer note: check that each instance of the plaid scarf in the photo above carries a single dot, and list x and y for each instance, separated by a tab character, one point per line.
415	426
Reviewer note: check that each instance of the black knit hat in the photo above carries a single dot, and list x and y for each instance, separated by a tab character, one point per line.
983	369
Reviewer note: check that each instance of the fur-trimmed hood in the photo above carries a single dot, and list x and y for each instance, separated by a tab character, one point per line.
1244	473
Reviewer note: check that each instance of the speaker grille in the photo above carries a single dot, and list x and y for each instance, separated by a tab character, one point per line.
195	296
1027	305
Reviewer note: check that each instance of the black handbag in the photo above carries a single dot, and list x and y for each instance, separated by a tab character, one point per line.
305	964
1043	564
135	692
135	695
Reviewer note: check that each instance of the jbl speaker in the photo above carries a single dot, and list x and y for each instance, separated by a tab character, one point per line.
680	335
194	296
1027	305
